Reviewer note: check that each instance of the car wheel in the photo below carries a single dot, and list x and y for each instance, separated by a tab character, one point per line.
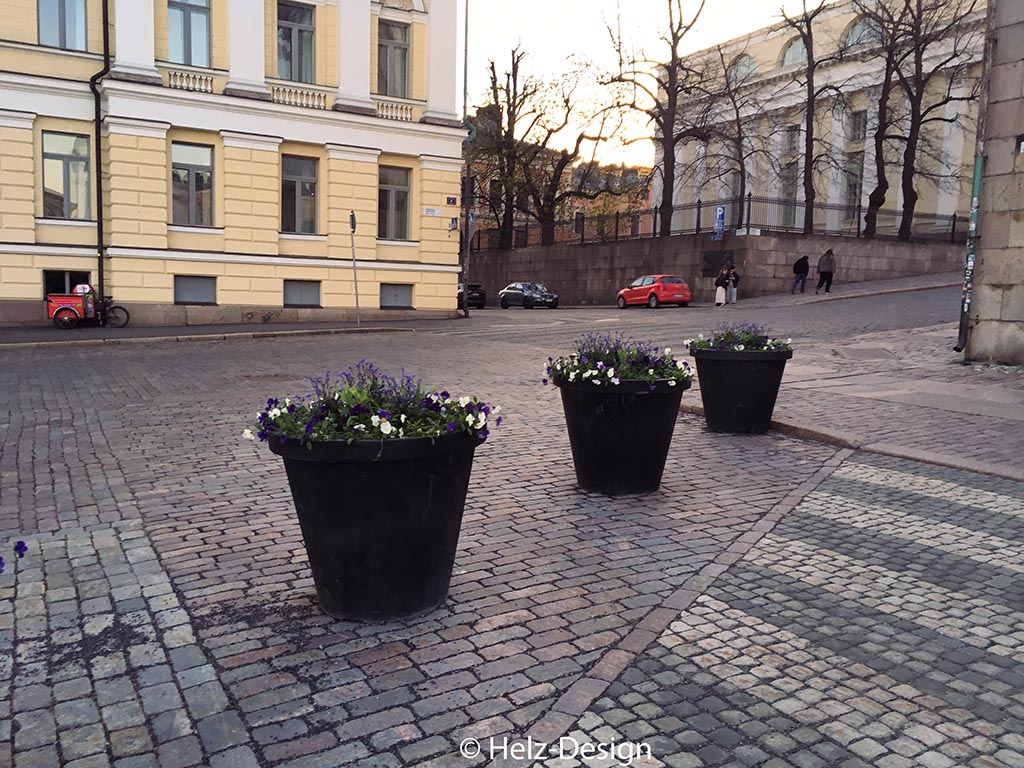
621	301
527	304
555	305
653	302
684	304
504	304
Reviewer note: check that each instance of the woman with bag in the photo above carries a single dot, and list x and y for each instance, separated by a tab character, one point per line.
720	282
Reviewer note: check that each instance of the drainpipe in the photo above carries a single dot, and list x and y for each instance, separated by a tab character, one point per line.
94	82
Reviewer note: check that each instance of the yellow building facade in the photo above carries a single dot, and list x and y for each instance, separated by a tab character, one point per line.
234	140
770	65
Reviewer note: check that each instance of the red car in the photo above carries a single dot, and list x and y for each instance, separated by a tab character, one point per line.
655	290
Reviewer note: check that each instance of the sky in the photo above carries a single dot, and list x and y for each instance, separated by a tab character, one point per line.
551	31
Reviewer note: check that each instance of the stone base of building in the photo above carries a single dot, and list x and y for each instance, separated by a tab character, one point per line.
994	341
22	313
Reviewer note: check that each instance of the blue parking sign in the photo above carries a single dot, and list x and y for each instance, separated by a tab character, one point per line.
719	222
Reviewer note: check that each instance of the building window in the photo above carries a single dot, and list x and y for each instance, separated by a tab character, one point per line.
66	191
59	281
190	289
858	125
863	31
298	194
188	32
62	24
395	296
793	138
854	180
742	69
302	293
393	200
795	53
393	59
192	185
295	32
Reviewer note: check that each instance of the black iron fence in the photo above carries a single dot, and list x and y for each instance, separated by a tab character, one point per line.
764	214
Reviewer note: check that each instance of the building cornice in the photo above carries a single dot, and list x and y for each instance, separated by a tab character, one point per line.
14	119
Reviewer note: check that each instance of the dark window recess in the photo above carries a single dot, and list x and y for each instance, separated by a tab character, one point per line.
302	293
58	281
714	261
190	289
395	296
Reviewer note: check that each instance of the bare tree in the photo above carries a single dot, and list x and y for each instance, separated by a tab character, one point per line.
815	150
661	89
938	39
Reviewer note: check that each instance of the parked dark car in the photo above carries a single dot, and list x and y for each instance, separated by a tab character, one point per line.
527	295
477	296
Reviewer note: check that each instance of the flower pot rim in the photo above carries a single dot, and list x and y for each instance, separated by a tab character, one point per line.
745	355
625	386
363	451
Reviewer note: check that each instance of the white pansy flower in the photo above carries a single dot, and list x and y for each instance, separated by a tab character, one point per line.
359	427
402	418
572	375
616	381
287	402
274	413
739	347
386	428
247	434
463	401
668	350
789	341
671	382
496	410
480	421
611	373
650	371
375	420
700	336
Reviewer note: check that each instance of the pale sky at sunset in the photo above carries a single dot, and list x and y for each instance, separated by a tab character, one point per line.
550	31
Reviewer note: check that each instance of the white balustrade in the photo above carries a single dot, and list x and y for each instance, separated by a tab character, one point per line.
298	97
190	81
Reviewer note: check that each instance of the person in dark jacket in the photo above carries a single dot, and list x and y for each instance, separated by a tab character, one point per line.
826	269
801	267
732	281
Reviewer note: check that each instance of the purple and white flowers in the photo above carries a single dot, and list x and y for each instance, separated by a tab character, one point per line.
741	338
605	360
363	403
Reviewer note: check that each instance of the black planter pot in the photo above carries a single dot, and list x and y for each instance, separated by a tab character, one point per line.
620	434
739	388
380	520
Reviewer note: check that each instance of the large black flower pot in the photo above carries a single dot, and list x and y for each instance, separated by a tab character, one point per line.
380	520
620	434
739	388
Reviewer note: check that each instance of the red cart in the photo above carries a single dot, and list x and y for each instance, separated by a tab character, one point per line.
67	310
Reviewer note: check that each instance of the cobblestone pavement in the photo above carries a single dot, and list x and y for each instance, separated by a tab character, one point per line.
879	623
164	616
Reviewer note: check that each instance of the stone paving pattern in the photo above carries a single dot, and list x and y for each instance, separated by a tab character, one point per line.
164	615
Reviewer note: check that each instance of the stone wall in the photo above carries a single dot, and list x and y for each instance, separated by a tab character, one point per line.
592	274
997	309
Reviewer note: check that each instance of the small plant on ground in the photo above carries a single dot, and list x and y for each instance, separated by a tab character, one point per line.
363	403
609	360
741	338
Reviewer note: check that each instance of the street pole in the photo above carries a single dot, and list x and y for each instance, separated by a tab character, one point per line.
355	273
467	185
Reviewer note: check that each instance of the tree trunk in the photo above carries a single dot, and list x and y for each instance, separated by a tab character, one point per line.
508	222
909	170
877	197
668	178
547	228
809	148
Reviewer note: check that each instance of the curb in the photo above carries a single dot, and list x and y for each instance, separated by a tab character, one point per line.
240	335
854	442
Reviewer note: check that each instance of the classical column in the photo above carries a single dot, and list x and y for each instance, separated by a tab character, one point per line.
246	52
134	41
354	57
442	42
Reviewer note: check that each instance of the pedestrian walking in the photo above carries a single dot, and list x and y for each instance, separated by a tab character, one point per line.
800	269
826	269
732	279
720	282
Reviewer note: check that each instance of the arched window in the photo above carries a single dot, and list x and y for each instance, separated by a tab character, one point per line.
863	31
741	70
795	52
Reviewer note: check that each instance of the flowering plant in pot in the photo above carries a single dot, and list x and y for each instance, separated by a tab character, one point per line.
740	370
379	469
621	398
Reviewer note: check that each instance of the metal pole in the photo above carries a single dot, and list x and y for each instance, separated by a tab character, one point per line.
355	274
467	152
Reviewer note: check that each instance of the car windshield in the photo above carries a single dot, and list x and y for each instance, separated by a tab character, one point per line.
540	287
672	280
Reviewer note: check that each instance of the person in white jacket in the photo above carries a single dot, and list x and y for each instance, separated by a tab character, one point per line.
826	269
